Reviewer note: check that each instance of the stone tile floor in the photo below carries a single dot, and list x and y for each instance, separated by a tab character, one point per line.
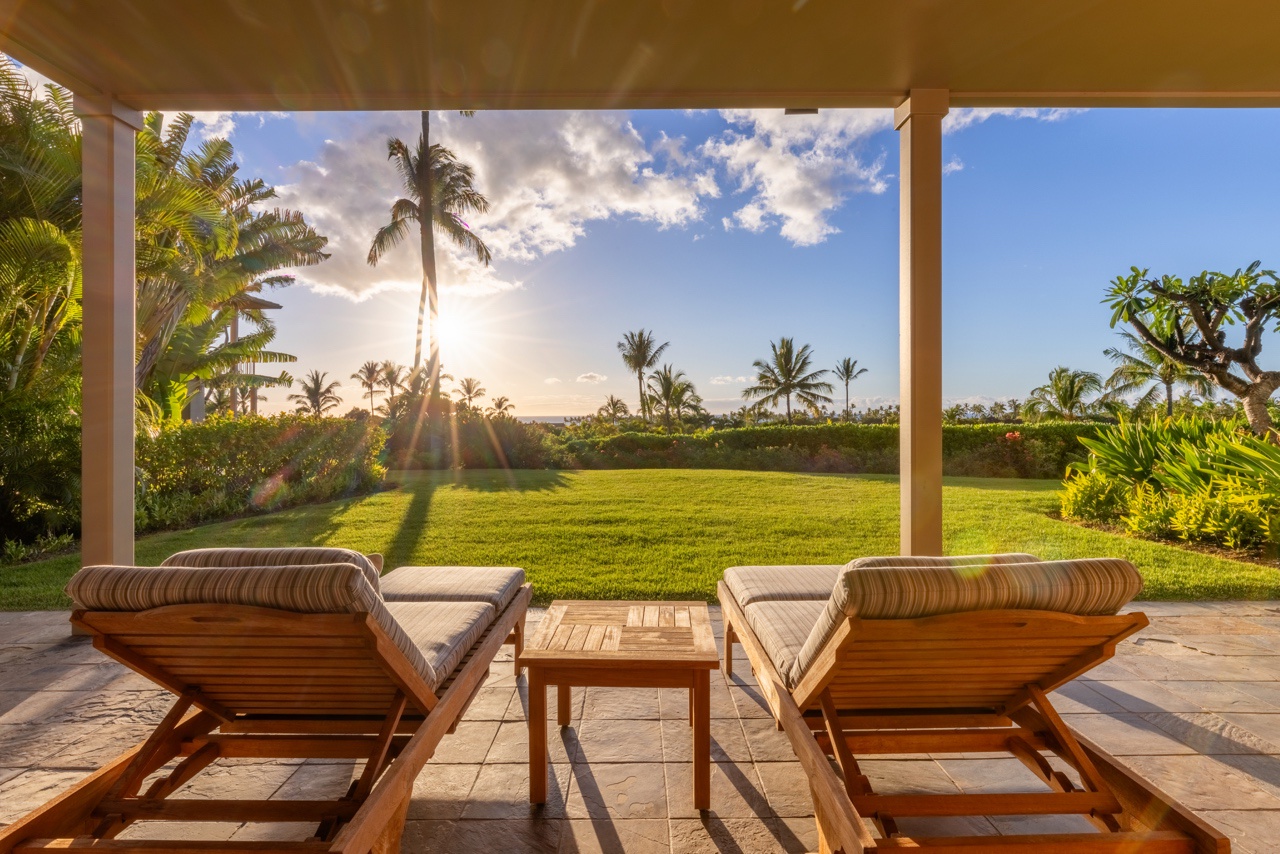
1193	703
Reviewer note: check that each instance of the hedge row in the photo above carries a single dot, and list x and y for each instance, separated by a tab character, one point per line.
223	467
977	450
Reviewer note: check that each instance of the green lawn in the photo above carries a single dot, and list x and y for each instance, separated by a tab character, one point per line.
668	534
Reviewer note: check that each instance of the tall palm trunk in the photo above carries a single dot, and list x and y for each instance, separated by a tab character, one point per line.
788	409
846	400
644	410
430	299
1168	399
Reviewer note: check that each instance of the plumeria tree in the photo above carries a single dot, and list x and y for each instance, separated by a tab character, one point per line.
1184	322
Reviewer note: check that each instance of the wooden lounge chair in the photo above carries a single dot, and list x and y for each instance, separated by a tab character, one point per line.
950	658
294	661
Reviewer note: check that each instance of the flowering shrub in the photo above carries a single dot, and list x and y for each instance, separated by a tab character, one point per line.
223	467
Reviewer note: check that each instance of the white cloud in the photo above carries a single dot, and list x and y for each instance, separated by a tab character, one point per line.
727	380
796	170
552	380
955	164
963	117
210	124
591	377
548	175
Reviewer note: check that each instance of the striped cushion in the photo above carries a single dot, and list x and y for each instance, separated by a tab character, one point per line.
332	588
783	627
496	585
1086	587
752	584
299	556
443	631
946	560
772	583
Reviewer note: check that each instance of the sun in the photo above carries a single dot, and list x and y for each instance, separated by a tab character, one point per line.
465	336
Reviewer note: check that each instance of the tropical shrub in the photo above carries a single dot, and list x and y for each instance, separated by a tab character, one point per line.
466	438
39	467
1188	479
190	473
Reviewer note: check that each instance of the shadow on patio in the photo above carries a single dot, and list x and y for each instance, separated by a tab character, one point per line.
1193	704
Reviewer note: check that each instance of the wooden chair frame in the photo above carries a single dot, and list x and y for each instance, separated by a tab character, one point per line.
264	683
957	683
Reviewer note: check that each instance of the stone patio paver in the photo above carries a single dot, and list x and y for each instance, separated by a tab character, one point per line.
1193	703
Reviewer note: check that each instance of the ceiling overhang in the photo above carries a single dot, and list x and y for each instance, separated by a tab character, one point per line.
636	54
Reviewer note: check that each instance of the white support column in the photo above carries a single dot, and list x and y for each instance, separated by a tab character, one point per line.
107	464
919	124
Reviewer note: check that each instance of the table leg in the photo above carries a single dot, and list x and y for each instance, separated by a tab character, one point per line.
701	694
564	697
537	736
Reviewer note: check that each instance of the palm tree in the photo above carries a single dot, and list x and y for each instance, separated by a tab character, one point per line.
1063	397
614	409
317	396
847	371
394	377
672	390
470	390
640	352
501	408
431	172
369	376
787	374
1145	367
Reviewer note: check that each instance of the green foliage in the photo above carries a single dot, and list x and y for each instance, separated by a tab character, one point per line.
39	467
1182	322
1091	495
1190	479
190	473
445	438
627	534
989	450
786	374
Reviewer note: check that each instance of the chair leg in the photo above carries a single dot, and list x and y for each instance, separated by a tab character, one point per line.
517	639
388	842
729	638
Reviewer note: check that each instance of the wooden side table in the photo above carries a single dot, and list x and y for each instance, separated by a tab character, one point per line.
621	645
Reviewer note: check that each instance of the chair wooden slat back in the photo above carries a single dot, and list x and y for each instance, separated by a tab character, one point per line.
244	660
980	660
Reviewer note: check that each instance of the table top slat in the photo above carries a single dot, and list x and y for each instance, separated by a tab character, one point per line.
638	634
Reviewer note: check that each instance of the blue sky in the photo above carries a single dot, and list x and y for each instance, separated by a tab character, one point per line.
724	231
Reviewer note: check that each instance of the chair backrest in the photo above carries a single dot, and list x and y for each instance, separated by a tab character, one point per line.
940	637
287	640
231	558
979	661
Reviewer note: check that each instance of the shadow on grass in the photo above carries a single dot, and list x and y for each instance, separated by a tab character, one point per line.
483	480
1002	484
422	485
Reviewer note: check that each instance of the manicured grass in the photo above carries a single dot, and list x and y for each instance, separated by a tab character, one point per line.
668	534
